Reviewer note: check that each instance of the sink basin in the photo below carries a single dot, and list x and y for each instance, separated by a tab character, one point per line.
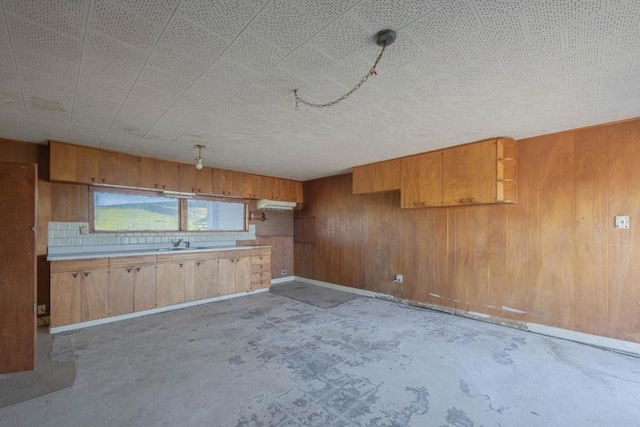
181	249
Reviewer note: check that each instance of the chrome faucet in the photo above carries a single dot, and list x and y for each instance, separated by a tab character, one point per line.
176	243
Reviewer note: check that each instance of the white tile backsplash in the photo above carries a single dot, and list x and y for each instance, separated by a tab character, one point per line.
65	237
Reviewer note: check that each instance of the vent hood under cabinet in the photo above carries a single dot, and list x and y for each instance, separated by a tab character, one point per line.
275	205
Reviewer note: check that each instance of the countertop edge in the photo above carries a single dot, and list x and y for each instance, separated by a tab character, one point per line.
141	252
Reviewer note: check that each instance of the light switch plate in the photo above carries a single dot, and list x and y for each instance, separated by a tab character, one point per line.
622	221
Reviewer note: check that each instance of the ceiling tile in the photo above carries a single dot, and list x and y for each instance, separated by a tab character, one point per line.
67	17
378	15
230	73
123	25
36	39
189	39
283	25
342	38
450	22
306	62
223	17
175	63
253	52
325	11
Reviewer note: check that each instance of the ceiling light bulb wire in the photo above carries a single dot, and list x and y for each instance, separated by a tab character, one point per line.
372	72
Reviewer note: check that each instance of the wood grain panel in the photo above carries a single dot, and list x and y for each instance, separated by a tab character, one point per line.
95	294
623	297
69	202
121	290
554	258
591	185
145	288
18	215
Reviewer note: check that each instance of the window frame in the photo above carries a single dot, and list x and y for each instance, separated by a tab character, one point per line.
183	214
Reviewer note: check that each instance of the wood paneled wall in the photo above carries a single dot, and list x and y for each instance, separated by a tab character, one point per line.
25	152
554	258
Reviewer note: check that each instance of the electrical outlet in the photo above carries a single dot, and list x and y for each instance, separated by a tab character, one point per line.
399	278
42	309
622	221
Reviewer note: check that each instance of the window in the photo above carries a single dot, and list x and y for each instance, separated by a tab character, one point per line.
213	215
129	210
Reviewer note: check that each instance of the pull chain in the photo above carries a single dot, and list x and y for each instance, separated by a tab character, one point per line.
372	72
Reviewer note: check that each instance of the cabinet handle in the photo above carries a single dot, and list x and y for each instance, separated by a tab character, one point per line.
75	274
85	273
93	179
128	270
180	265
197	264
103	180
138	268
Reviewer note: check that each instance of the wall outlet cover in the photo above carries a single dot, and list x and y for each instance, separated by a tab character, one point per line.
622	221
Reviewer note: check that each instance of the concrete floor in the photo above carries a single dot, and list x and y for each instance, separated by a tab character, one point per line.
267	360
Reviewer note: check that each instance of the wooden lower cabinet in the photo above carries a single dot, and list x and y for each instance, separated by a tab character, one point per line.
234	272
85	290
170	282
206	278
79	291
65	291
95	294
132	284
260	268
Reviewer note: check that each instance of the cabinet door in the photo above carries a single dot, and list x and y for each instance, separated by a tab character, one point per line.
187	175
167	175
421	180
299	192
170	281
66	306
119	169
204	181
189	280
72	163
206	278
469	174
226	276
481	167
121	284
243	274
144	290
147	173
95	294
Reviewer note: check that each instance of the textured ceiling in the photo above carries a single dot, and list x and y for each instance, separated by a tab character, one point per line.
153	78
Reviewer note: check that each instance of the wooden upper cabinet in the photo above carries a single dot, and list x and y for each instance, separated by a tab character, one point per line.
377	177
469	174
188	179
476	173
159	174
118	169
73	163
280	189
506	170
223	182
204	181
421	180
299	190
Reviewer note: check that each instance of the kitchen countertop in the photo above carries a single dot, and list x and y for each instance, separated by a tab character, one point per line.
139	252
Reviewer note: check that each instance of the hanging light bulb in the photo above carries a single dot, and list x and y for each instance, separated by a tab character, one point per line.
199	164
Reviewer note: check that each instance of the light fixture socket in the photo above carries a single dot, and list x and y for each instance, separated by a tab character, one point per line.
385	37
199	164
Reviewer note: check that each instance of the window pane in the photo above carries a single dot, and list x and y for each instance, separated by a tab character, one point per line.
117	211
215	216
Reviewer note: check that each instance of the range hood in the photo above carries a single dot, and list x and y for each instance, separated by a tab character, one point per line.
275	205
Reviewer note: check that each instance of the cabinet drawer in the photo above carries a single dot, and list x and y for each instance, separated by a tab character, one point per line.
186	256
260	260
131	261
241	253
261	268
261	276
79	264
261	252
